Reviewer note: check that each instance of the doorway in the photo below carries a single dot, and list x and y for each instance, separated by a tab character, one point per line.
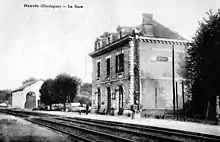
108	99
99	99
30	100
120	100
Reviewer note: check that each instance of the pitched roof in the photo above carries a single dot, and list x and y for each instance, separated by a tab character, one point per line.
26	85
149	28
158	30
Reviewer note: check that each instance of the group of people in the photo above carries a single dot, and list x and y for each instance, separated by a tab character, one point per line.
133	109
85	111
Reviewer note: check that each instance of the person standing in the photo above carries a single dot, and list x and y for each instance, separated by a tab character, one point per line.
87	108
133	111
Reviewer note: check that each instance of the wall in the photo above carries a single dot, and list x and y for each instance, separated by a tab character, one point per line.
158	74
34	88
113	62
114	102
113	80
19	98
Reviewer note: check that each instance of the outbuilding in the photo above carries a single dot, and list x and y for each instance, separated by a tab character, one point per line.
27	96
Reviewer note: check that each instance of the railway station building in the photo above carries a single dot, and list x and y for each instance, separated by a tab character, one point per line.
133	66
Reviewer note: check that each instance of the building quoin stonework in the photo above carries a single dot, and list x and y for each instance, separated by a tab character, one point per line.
134	67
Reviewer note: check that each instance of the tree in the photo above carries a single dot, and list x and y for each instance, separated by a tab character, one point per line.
86	87
202	66
83	100
5	96
30	79
66	87
47	93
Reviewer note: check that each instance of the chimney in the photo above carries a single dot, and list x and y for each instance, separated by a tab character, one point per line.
147	23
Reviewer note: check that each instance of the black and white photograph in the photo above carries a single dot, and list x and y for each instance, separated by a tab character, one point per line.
109	70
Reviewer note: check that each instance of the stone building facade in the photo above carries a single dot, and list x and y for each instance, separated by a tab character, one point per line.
133	67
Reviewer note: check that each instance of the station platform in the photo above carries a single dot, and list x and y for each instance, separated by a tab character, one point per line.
171	124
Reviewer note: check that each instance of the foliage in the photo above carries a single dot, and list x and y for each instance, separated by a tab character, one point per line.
62	89
47	96
181	70
30	79
5	95
202	64
86	87
83	100
66	87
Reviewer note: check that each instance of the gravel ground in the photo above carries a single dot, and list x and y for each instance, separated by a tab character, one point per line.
14	129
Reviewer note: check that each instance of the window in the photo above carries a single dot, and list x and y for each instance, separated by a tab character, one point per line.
98	45
98	69
108	66
119	34
100	42
108	40
111	38
120	63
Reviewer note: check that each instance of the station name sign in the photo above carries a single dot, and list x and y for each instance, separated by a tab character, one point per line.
162	59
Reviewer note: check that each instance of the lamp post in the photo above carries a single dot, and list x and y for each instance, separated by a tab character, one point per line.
177	100
173	80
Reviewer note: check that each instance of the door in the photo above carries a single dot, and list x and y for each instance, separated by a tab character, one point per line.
120	100
99	99
108	99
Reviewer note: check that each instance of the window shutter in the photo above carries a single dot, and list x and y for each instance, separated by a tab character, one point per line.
98	69
116	63
121	63
108	66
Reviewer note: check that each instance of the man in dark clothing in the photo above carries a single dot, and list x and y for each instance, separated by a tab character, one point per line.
87	108
133	111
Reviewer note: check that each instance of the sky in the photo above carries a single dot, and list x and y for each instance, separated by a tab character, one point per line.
43	42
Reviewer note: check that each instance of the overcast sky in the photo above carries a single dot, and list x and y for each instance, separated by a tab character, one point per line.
43	42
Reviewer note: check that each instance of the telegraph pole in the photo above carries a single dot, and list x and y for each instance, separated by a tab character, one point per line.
173	81
183	93
177	100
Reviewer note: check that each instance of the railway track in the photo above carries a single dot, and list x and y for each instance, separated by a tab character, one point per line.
12	112
26	113
117	130
145	132
84	129
76	131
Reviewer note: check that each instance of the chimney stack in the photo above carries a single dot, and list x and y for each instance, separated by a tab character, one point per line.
147	23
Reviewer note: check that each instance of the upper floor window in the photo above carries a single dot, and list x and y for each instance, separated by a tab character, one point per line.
108	66
100	42
119	34
108	40
120	63
111	38
98	45
98	69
